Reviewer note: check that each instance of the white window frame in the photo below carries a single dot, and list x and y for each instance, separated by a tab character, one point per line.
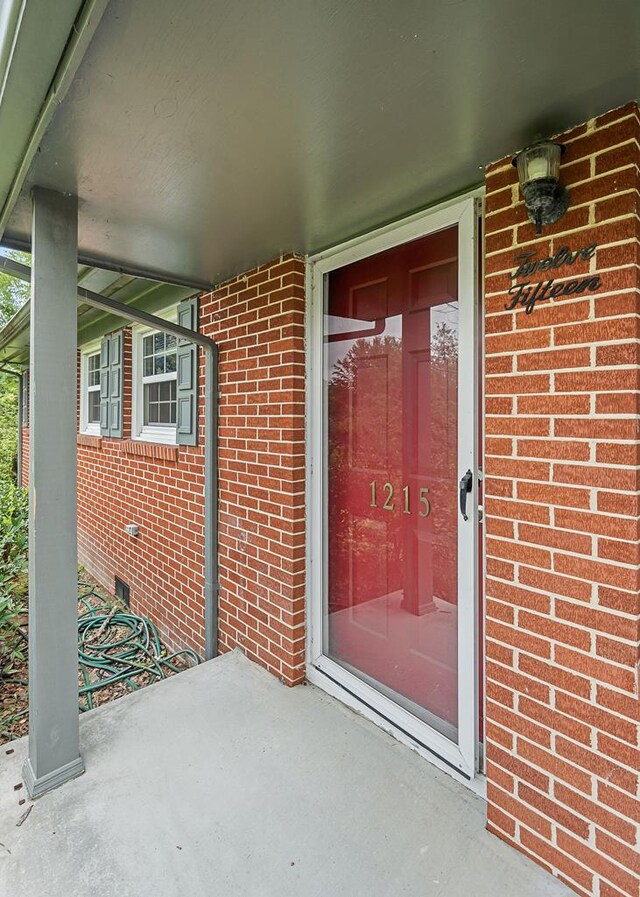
460	760
161	434
86	428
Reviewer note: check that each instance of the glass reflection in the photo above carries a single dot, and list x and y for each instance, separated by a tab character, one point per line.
391	371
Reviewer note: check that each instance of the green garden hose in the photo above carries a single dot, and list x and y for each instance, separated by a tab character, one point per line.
118	646
114	647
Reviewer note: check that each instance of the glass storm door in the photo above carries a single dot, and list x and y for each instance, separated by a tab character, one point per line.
398	616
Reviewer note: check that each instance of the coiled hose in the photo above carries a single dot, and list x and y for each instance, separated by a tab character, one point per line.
118	646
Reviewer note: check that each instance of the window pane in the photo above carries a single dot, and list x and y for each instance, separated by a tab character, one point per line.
160	403
93	369
93	409
159	350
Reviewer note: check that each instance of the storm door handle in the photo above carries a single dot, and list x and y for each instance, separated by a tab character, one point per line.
466	485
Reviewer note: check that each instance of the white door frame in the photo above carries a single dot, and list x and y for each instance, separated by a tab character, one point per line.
460	759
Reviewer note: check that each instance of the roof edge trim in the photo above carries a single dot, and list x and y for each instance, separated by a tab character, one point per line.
198	286
79	39
10	20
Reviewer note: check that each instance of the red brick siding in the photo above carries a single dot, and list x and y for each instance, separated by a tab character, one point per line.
24	456
562	510
164	564
258	321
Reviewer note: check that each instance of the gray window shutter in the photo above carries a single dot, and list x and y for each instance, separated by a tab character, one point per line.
111	385
104	386
187	377
115	384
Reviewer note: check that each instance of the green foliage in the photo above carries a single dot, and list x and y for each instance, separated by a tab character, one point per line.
8	426
14	511
13	294
13	567
12	643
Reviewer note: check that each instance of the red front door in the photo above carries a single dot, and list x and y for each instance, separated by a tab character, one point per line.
391	368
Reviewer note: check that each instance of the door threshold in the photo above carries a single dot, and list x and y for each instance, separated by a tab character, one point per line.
477	784
317	677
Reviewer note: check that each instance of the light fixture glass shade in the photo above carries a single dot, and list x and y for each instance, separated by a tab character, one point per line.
538	161
539	175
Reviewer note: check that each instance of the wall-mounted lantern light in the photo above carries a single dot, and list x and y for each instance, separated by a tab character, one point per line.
539	175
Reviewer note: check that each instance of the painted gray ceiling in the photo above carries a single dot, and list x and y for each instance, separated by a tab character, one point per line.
206	136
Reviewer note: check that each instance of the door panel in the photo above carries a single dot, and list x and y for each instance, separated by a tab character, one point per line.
391	368
392	410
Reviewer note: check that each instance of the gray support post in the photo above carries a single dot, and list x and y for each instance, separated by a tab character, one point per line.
54	748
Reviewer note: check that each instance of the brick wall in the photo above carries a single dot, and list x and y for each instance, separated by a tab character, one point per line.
258	321
24	456
562	510
163	565
162	492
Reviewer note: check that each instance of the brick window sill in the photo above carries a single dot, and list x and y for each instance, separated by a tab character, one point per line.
150	450
89	441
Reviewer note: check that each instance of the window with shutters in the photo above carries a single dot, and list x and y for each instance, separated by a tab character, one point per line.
158	380
90	389
154	384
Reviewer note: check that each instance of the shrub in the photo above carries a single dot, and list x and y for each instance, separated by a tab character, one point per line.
13	565
8	427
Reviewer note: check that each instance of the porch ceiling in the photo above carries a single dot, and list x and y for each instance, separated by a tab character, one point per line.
206	137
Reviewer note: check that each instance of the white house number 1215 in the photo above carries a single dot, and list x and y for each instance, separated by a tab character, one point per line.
389	502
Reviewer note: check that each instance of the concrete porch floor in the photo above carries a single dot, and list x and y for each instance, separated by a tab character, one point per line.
221	781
